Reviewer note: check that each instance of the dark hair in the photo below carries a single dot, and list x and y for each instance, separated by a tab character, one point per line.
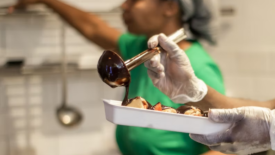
199	22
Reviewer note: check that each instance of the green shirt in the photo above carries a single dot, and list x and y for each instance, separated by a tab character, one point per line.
146	141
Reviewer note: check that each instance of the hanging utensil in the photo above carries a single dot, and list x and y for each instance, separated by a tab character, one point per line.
67	116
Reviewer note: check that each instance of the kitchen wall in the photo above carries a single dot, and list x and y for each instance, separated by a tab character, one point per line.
246	49
27	102
29	125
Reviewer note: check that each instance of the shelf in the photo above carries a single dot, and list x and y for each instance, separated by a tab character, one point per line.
23	13
45	69
39	12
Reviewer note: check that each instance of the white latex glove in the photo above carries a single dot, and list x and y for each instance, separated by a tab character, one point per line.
252	130
172	73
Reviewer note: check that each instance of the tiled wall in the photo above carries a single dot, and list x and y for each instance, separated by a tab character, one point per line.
246	50
37	38
27	119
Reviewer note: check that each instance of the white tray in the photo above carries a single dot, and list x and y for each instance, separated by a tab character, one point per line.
129	116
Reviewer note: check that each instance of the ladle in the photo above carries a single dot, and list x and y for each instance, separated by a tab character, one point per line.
67	116
114	71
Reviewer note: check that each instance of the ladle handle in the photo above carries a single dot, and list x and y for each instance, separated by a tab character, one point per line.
178	36
63	66
148	54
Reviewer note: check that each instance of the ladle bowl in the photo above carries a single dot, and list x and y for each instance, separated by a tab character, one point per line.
112	69
115	72
68	116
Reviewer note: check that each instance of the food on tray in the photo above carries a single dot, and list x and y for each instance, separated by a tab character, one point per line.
159	107
190	110
169	109
139	102
205	114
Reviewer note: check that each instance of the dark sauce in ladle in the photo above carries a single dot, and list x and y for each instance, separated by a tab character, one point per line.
114	72
125	100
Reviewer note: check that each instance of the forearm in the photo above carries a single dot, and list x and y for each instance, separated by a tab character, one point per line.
89	25
211	152
75	17
214	99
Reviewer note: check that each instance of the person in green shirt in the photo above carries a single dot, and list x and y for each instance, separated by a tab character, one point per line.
143	19
136	140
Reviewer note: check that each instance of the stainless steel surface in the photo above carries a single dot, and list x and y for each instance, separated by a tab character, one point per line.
178	36
141	58
42	70
148	54
4	7
64	66
4	11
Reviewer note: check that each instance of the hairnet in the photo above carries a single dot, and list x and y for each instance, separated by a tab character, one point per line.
201	18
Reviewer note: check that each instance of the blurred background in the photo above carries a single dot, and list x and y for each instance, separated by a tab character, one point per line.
30	94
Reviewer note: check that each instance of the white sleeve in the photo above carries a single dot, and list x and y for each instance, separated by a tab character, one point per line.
272	129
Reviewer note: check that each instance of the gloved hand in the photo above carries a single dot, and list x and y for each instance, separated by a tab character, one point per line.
172	73
249	133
